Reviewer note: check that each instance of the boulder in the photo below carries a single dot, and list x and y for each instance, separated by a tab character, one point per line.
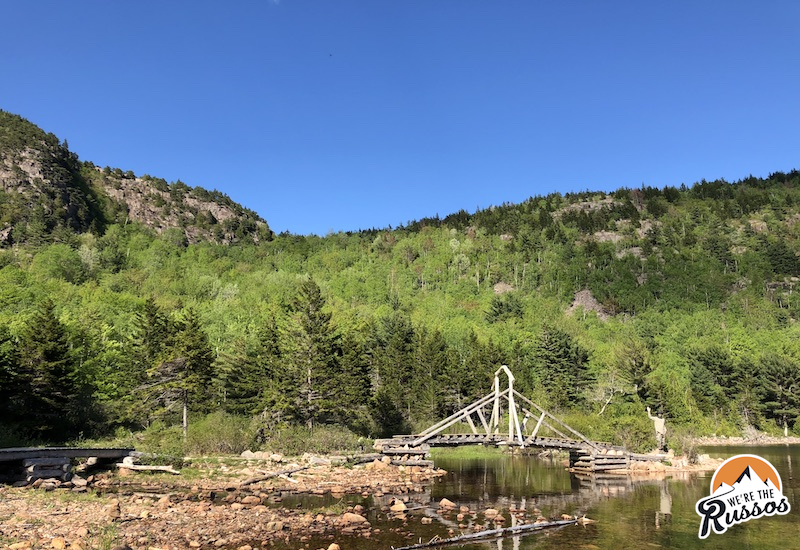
350	518
446	503
398	506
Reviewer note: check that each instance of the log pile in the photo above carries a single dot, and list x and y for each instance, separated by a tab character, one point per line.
46	468
584	460
406	455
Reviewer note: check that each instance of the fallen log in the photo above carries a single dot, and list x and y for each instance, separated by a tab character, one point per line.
141	467
493	533
282	473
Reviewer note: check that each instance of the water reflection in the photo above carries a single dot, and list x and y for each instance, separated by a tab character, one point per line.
632	511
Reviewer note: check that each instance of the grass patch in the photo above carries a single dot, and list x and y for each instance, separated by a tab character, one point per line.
467	452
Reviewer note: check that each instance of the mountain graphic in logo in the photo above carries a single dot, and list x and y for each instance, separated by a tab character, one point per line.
744	487
732	470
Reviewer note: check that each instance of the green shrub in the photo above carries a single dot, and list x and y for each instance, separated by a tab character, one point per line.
219	433
297	440
682	441
160	439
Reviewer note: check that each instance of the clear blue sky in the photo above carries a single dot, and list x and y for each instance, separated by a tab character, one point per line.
324	115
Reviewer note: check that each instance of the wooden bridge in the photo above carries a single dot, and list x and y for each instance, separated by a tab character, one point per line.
27	464
495	420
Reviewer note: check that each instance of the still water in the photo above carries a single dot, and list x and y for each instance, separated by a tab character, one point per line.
631	512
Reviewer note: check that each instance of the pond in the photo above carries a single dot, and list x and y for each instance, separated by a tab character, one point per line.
631	512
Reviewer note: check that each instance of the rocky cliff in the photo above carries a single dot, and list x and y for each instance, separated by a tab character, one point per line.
47	193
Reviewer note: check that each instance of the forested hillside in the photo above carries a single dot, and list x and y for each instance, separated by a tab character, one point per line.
681	299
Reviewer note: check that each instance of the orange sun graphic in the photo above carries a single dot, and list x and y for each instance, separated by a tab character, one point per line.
730	471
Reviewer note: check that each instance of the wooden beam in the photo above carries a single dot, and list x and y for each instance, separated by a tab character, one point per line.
483	421
21	453
472	424
538	425
141	467
492	533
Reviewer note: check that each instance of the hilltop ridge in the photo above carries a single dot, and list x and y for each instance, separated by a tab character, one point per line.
46	192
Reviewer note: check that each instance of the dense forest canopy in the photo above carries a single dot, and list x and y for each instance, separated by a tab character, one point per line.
602	304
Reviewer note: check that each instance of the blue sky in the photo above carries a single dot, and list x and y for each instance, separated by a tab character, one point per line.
336	116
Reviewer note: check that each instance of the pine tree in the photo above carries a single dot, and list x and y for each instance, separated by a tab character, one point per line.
393	362
562	364
11	386
314	364
182	375
782	384
152	331
249	376
48	373
354	384
431	358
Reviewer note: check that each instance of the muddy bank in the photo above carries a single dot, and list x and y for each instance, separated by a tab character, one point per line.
207	507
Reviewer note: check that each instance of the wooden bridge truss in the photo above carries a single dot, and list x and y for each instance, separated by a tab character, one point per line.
506	417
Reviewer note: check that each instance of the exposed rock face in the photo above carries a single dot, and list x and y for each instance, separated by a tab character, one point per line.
202	215
586	300
502	288
44	188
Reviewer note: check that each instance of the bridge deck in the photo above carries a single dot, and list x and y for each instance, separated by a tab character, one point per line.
451	440
22	453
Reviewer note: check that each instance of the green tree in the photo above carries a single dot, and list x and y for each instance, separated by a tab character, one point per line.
393	361
183	374
504	307
12	390
48	371
562	364
314	362
782	384
250	375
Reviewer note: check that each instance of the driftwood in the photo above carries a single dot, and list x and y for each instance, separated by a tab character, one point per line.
282	473
493	533
141	467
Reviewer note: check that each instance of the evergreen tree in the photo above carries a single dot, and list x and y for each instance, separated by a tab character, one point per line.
11	387
354	385
712	373
151	332
749	386
467	374
393	360
782	395
47	371
250	375
182	376
431	358
314	363
562	363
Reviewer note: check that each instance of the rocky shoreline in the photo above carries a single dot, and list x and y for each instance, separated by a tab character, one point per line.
216	504
750	441
222	508
153	511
